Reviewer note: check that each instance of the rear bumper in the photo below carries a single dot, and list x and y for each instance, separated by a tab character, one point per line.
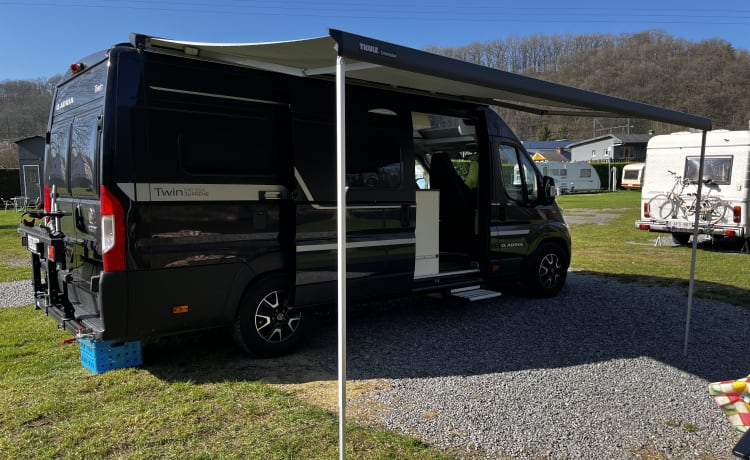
78	309
75	305
682	226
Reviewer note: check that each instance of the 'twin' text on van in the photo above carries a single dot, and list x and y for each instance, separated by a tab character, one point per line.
183	194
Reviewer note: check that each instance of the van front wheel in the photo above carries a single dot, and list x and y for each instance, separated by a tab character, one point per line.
267	324
546	270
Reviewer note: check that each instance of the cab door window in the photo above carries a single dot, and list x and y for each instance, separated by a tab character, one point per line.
519	177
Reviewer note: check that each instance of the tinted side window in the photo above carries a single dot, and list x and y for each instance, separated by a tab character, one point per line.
56	163
83	149
223	144
373	151
209	143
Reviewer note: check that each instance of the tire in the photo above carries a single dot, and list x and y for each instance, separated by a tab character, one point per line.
680	238
267	324
662	207
546	270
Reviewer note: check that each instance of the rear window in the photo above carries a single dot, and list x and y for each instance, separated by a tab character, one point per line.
56	163
86	87
83	148
717	169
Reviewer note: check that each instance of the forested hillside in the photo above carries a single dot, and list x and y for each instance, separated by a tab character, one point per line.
24	108
708	78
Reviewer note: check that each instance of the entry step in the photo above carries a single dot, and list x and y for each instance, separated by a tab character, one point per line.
473	293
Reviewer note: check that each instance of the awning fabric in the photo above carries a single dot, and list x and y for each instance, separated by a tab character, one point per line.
372	61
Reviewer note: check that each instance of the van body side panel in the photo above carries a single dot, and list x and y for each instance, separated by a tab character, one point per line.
209	194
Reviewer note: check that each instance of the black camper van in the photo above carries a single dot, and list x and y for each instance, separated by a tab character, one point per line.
185	190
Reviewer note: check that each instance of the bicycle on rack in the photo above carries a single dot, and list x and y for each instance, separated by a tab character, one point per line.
672	205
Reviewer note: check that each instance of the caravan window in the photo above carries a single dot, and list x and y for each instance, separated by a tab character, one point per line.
585	173
630	174
716	169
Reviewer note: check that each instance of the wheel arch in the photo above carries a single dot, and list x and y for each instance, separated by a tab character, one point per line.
253	273
557	237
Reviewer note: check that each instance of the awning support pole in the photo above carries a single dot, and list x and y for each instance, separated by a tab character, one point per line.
691	285
341	244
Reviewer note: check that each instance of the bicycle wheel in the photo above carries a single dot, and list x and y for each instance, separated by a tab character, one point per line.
713	210
662	207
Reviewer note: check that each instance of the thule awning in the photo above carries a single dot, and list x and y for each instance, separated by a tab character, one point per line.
373	61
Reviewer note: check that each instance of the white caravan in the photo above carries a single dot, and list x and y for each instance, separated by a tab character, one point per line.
571	176
632	175
669	192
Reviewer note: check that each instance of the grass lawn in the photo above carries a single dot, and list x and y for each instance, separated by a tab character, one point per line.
614	247
15	263
192	403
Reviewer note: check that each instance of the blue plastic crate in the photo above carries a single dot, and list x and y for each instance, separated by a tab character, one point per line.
102	356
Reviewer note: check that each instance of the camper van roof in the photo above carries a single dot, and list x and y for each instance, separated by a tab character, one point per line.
377	62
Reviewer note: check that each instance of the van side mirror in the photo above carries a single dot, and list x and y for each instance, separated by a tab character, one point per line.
549	189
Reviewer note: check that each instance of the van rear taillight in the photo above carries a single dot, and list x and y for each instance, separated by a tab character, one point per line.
646	210
737	218
113	232
47	199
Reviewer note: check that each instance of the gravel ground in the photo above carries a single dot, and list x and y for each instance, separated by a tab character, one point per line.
16	293
596	372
